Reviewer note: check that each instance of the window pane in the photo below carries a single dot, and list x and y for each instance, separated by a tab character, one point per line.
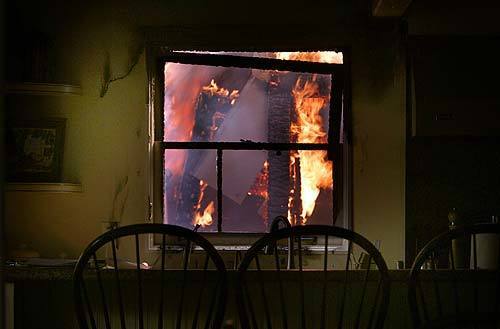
245	179
260	185
309	199
207	103
189	198
312	196
257	187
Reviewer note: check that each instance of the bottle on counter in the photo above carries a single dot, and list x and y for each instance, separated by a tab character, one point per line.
459	256
487	249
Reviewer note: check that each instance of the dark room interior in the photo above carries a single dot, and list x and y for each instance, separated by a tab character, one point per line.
330	164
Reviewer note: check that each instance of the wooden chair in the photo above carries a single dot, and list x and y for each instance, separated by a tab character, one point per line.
322	291
449	287
185	287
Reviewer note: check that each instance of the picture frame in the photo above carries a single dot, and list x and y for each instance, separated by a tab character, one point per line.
35	150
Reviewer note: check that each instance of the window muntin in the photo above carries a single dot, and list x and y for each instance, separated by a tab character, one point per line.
252	147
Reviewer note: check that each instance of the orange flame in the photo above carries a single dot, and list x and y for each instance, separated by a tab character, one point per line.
203	218
182	88
331	57
315	169
180	97
292	194
213	89
259	188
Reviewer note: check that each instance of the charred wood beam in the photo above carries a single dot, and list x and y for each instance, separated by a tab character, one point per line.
295	186
209	113
207	106
189	189
279	105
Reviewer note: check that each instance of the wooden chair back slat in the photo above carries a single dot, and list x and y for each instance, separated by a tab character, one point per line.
102	293
472	287
246	302
162	283
284	318
301	286
363	293
453	282
89	306
139	282
497	295
118	286
185	264
293	312
325	285
213	302
200	293
474	256
263	294
131	292
344	289
379	322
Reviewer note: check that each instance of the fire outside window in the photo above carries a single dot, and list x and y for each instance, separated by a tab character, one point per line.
241	138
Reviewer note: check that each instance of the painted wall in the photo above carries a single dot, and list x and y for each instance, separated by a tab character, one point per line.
106	137
446	170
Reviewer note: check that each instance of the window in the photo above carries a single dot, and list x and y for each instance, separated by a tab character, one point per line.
240	138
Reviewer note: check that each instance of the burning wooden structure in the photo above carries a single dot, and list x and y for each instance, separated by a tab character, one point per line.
291	172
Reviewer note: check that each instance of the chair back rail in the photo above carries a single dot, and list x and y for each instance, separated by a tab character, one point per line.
474	290
282	301
128	297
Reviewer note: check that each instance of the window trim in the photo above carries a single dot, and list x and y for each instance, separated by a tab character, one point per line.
338	152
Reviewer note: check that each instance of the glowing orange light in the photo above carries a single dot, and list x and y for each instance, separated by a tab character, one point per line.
214	89
331	57
203	218
315	169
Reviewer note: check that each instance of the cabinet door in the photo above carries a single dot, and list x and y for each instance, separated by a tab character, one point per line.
455	86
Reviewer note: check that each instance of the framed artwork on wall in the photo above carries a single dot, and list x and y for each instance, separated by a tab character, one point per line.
35	150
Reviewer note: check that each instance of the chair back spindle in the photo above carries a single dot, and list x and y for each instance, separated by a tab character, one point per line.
471	299
313	294
184	287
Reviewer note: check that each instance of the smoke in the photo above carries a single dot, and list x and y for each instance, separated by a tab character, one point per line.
183	84
247	120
